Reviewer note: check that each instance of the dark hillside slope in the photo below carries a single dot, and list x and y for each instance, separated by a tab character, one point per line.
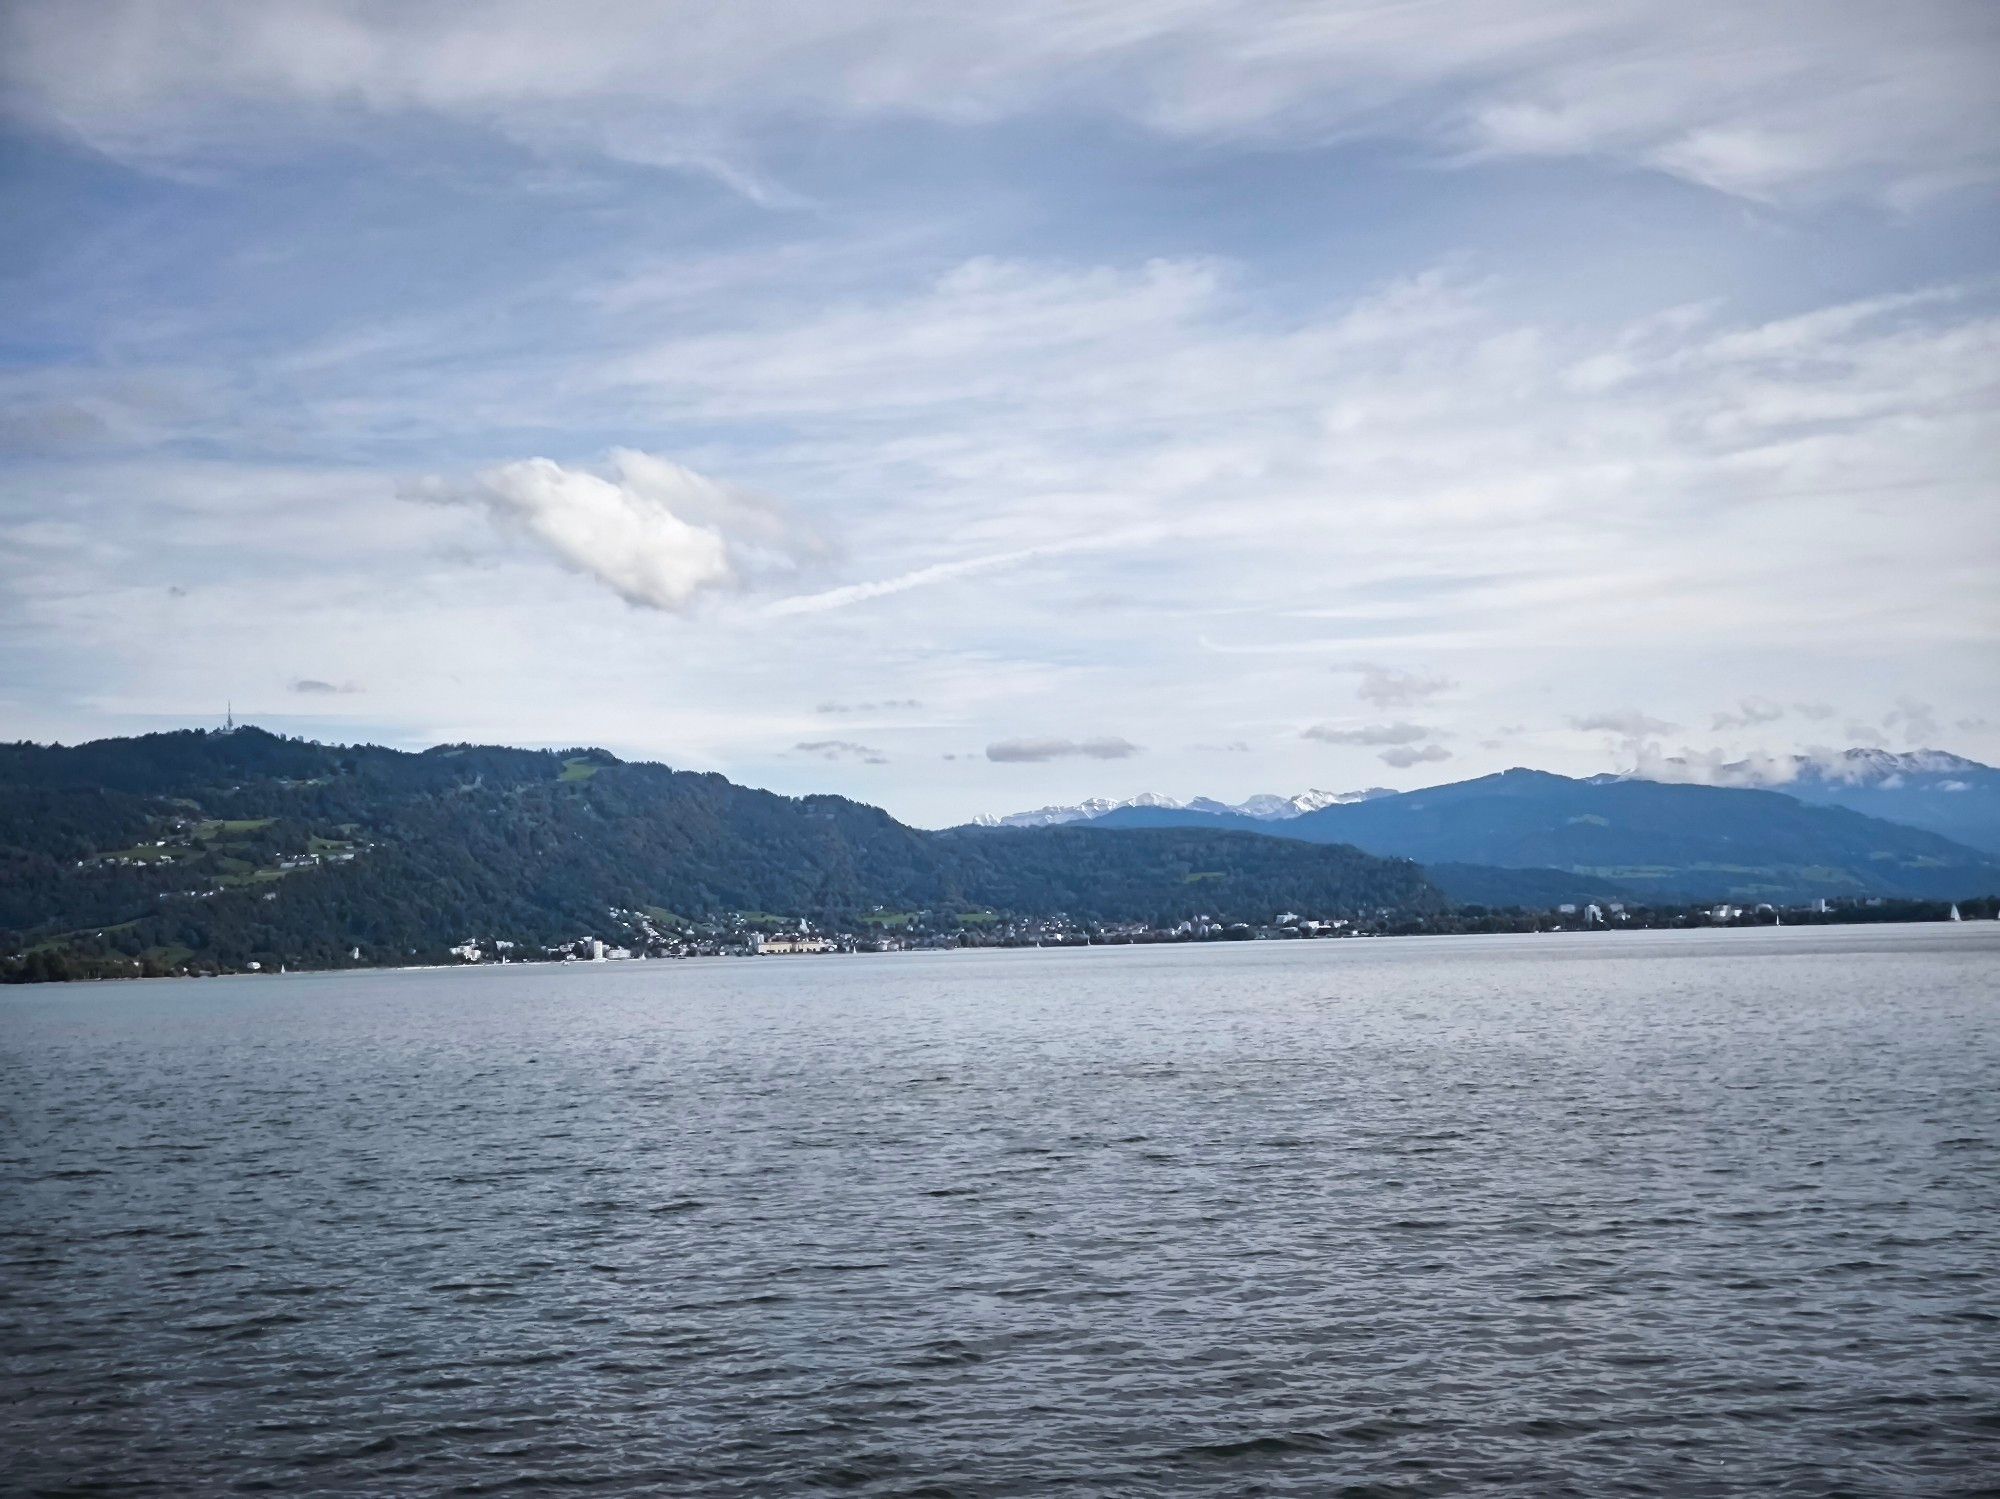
246	843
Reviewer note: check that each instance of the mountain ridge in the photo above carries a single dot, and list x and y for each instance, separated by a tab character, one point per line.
1660	840
1263	807
1935	790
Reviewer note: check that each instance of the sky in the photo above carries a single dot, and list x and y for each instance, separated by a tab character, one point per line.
970	408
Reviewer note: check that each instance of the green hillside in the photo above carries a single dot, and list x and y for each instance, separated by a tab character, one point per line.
247	847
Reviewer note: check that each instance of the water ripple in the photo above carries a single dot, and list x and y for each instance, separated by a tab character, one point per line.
1680	1215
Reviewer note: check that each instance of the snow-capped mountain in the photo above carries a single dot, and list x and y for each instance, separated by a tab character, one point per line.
1279	807
1875	767
1096	806
1930	789
1264	807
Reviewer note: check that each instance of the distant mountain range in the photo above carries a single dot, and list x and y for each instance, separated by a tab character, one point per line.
1931	789
1262	808
1530	837
220	849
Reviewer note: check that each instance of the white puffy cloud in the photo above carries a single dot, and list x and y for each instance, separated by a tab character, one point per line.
631	529
1403	756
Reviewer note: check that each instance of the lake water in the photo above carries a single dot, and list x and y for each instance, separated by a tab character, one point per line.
1676	1213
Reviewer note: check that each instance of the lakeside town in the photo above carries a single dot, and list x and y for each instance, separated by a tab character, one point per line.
642	936
652	934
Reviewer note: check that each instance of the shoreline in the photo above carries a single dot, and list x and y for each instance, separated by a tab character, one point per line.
1968	926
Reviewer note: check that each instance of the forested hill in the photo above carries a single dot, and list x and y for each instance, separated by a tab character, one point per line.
235	847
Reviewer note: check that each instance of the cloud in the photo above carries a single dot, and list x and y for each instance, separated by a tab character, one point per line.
1386	687
1636	731
1381	733
1403	756
1817	712
945	572
1628	722
1760	100
312	685
650	530
1713	768
887	705
1865	734
921	577
1680	521
1915	722
841	749
1034	751
1749	713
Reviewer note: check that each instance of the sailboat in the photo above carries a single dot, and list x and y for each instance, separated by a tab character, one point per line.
1954	914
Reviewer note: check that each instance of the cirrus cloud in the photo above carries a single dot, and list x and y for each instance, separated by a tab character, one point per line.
1761	100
